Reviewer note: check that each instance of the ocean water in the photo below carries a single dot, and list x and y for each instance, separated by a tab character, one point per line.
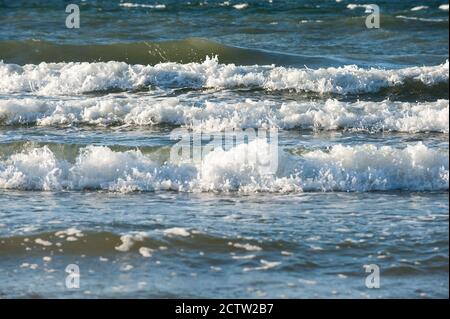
86	124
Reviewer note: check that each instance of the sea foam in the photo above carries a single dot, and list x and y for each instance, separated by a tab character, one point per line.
77	78
342	168
207	115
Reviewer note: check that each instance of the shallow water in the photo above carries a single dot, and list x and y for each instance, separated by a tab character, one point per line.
86	117
319	243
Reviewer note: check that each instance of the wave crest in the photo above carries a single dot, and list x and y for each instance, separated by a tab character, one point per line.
78	78
342	168
212	116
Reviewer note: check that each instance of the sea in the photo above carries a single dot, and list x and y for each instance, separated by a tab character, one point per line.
95	94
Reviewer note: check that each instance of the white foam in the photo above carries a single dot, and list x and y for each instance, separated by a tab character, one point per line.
176	231
342	168
243	257
70	232
368	168
216	116
248	247
140	5
129	240
421	19
265	265
127	267
31	266
145	252
419	8
42	242
76	78
37	168
309	21
443	7
240	6
353	6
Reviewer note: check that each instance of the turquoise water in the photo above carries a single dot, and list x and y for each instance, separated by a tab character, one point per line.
86	177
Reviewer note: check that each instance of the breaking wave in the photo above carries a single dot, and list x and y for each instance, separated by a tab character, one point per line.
77	78
212	116
342	168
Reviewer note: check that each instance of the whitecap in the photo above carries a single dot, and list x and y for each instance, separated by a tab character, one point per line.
78	78
217	116
419	8
344	168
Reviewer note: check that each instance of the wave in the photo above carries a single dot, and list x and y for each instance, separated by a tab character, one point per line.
217	116
146	243
421	19
147	53
342	168
44	247
78	78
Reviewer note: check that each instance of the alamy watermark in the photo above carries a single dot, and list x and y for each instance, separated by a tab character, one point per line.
257	148
73	19
373	19
73	277
372	280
